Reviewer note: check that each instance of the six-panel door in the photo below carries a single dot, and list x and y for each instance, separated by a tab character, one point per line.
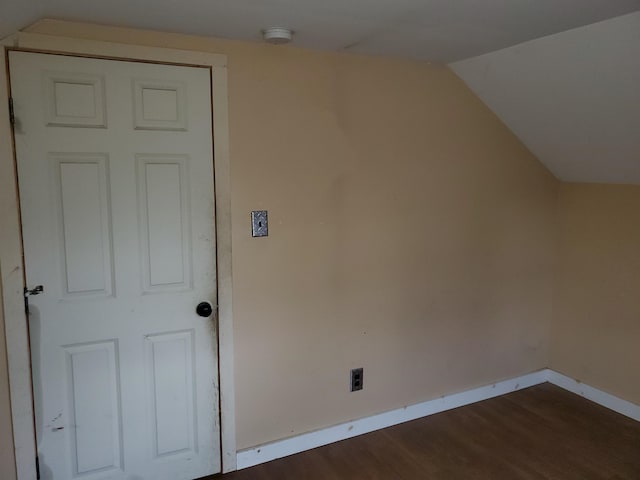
115	169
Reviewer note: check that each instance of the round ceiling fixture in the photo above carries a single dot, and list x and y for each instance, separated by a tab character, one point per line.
277	35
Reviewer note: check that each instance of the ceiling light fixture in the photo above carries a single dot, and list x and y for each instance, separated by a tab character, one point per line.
277	35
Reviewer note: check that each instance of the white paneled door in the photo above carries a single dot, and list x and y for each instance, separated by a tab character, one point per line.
115	170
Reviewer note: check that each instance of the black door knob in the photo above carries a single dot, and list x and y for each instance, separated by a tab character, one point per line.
204	309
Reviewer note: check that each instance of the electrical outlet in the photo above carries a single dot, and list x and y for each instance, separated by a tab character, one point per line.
357	377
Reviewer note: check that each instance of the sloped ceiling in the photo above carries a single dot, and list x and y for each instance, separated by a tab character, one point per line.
570	91
573	98
434	30
16	15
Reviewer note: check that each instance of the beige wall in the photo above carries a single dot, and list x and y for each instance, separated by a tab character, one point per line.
410	233
596	323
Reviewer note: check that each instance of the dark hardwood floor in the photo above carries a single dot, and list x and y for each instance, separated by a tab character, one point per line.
541	432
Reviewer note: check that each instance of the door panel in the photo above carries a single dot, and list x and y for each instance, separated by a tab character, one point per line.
163	193
80	186
115	169
94	407
170	361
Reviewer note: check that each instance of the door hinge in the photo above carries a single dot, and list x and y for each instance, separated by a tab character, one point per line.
12	115
37	468
29	292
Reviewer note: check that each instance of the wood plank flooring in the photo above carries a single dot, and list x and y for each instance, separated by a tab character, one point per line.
542	432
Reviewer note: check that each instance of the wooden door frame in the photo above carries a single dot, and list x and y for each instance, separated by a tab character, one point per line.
11	253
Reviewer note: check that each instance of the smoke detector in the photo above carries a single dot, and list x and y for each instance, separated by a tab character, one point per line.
277	35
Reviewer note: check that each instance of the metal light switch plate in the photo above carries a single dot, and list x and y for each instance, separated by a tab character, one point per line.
259	223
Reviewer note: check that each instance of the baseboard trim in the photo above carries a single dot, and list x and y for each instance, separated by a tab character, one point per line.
289	446
307	441
600	397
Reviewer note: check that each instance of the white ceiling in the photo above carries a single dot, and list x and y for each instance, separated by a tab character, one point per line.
572	96
434	30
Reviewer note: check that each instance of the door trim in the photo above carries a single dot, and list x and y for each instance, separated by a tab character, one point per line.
11	253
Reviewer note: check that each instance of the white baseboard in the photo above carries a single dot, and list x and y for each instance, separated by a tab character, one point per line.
605	399
307	441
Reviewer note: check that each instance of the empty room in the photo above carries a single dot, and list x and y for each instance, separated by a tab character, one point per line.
278	239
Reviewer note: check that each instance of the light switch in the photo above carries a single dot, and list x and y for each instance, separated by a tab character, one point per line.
259	225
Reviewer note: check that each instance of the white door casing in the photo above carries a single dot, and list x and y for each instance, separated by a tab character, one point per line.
116	188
